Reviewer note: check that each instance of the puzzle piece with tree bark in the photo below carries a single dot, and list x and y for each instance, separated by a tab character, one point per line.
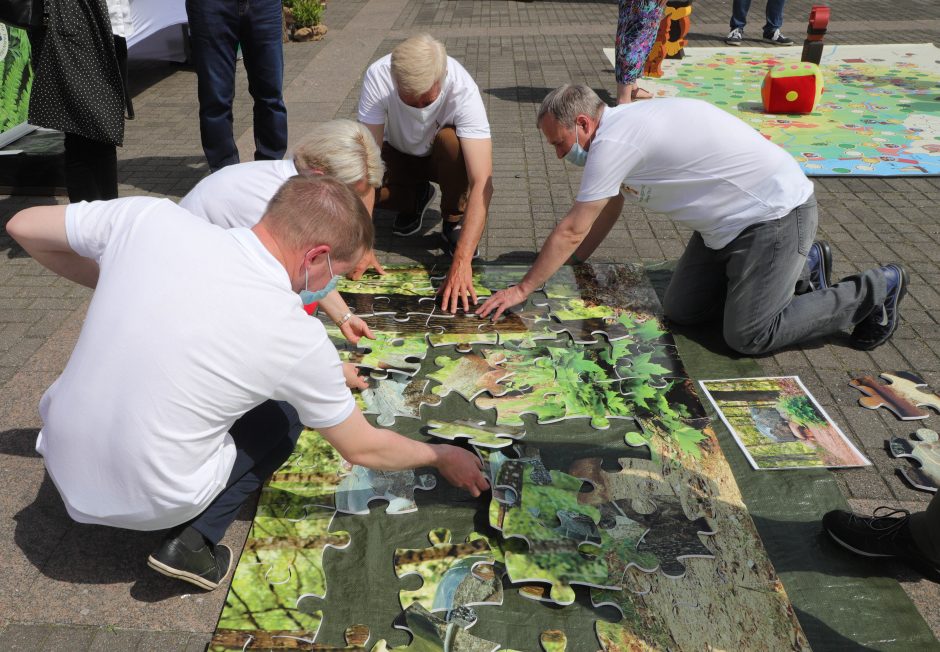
477	433
642	523
926	450
454	576
902	395
397	395
307	480
362	486
469	375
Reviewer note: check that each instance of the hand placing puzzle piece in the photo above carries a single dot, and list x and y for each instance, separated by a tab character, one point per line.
925	450
902	395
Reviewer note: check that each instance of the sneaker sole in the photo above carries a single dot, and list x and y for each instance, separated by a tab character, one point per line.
186	576
735	43
420	223
773	42
853	549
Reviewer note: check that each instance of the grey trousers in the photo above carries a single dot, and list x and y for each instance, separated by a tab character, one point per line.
751	285
925	530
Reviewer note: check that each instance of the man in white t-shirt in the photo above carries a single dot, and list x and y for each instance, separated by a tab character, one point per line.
237	195
191	378
751	208
426	112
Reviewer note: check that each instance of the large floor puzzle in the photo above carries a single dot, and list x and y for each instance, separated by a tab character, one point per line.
614	522
879	114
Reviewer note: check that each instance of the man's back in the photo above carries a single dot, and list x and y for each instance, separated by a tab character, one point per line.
190	326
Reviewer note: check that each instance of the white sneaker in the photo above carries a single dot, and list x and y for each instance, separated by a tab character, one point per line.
778	39
735	36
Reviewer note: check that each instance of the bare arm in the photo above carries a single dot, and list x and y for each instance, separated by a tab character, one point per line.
602	226
41	232
564	239
478	157
352	326
378	132
361	443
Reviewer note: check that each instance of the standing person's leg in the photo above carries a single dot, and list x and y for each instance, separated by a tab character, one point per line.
213	33
763	265
774	14
739	9
264	438
637	27
261	39
90	169
405	189
696	291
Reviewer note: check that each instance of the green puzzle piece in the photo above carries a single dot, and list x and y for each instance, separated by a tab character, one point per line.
469	375
476	434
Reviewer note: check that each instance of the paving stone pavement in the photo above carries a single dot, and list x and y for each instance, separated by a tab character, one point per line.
67	586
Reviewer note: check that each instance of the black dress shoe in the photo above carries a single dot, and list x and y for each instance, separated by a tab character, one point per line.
205	568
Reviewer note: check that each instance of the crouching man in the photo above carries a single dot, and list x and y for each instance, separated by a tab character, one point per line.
196	364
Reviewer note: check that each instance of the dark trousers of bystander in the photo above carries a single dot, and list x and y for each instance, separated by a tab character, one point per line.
264	438
444	165
216	29
925	530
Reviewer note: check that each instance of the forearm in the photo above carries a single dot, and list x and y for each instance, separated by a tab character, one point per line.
474	221
558	248
70	265
359	442
602	226
334	306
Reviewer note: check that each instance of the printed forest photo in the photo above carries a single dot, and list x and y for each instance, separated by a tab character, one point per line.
779	425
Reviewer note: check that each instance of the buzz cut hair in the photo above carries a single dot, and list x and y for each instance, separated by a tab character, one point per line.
308	211
417	63
343	149
567	102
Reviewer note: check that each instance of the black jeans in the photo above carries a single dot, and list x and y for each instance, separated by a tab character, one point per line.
264	438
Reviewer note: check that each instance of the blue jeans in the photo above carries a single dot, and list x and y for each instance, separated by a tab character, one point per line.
750	285
774	12
216	28
264	438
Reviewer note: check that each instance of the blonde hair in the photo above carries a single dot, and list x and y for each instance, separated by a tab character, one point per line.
418	63
343	149
309	211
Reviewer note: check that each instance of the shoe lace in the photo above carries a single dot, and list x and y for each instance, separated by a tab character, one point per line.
884	521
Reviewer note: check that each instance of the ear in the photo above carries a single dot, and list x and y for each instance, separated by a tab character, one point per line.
315	252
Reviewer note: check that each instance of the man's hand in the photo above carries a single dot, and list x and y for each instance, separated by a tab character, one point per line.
462	469
367	261
501	301
355	328
353	379
458	288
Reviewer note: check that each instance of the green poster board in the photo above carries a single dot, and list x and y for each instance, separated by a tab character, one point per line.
15	81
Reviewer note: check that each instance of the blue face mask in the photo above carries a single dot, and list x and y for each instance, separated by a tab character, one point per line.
308	296
577	155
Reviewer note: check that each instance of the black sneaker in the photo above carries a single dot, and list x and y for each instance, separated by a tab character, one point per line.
878	327
409	223
777	38
450	234
735	36
819	260
205	568
886	533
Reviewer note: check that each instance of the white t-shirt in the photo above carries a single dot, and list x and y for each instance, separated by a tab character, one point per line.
237	195
695	163
189	328
412	130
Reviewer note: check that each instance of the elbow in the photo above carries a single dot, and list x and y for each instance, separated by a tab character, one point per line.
16	227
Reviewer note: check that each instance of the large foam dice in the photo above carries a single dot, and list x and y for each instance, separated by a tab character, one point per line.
792	88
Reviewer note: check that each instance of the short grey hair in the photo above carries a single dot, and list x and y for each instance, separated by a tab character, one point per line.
343	149
567	102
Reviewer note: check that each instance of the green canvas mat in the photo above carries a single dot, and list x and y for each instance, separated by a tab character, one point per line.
879	114
308	575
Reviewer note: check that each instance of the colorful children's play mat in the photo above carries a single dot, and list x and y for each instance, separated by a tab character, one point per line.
879	114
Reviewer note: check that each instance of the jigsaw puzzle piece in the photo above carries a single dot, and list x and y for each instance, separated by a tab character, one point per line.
642	522
926	450
901	395
393	353
408	280
543	402
395	396
476	433
469	375
454	576
362	486
554	640
307	480
281	562
430	633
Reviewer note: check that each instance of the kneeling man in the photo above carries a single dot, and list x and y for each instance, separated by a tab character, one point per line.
196	364
751	208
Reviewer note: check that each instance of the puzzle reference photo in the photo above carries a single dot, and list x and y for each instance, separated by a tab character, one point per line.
613	521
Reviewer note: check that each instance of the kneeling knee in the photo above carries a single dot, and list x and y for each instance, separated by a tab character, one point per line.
747	342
